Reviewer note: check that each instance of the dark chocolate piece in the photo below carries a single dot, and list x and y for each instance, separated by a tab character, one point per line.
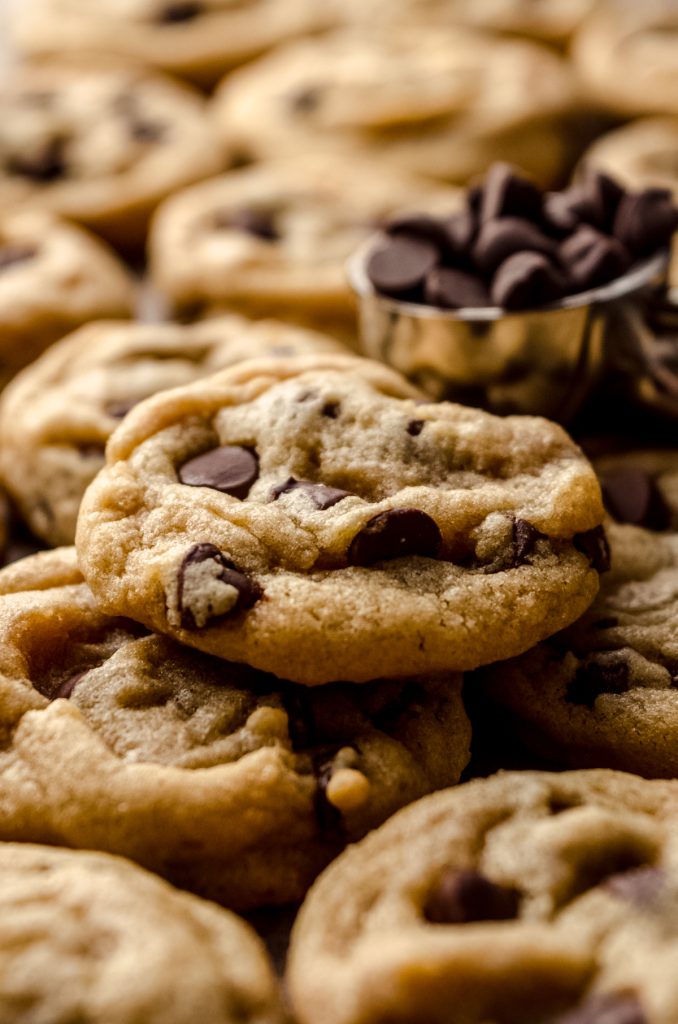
260	223
323	497
506	194
594	545
401	266
453	289
230	469
397	533
461	897
499	239
527	279
645	221
249	592
524	540
632	496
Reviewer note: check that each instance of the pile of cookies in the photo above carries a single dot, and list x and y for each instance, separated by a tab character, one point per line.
270	614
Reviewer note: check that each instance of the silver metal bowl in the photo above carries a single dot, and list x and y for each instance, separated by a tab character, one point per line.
542	361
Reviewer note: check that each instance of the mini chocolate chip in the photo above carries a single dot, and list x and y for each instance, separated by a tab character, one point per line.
609	673
453	289
180	10
322	497
46	165
415	427
331	410
525	280
640	886
499	239
397	533
305	101
645	221
248	591
260	223
118	410
632	496
594	545
610	1008
525	537
461	897
401	265
230	469
16	253
506	194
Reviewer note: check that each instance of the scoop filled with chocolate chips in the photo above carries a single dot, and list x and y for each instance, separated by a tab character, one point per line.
506	303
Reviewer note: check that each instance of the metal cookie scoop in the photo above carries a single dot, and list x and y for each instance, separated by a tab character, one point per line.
543	361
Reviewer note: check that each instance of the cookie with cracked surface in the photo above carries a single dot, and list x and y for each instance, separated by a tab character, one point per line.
235	784
317	518
435	103
525	898
603	693
56	418
197	39
279	233
53	277
101	142
93	938
625	54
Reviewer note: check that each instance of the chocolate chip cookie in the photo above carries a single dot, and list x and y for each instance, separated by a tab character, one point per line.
235	784
53	277
56	418
92	938
317	518
198	39
277	235
526	898
437	103
101	143
603	692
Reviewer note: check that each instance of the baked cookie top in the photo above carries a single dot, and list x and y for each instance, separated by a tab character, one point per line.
235	783
90	937
316	518
196	38
603	692
280	232
526	897
55	420
96	141
382	93
625	54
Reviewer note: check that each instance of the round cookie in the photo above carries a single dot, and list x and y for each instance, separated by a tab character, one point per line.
198	39
277	235
436	103
235	784
101	143
547	898
53	277
316	517
56	418
625	54
603	692
92	938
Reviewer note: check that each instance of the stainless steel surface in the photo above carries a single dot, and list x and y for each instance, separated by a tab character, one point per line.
542	361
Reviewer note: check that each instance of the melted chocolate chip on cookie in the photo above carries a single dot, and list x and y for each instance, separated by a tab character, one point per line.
323	497
230	469
461	897
397	533
211	588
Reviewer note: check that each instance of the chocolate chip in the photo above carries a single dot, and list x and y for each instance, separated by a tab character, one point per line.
415	427
421	226
594	545
260	223
118	410
632	496
506	194
44	165
453	289
499	239
181	10
561	213
604	196
248	592
16	253
397	533
147	131
65	690
524	540
401	265
322	497
592	258
305	101
91	449
331	410
605	1009
460	230
230	469
640	886
527	279
461	897
608	673
645	221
